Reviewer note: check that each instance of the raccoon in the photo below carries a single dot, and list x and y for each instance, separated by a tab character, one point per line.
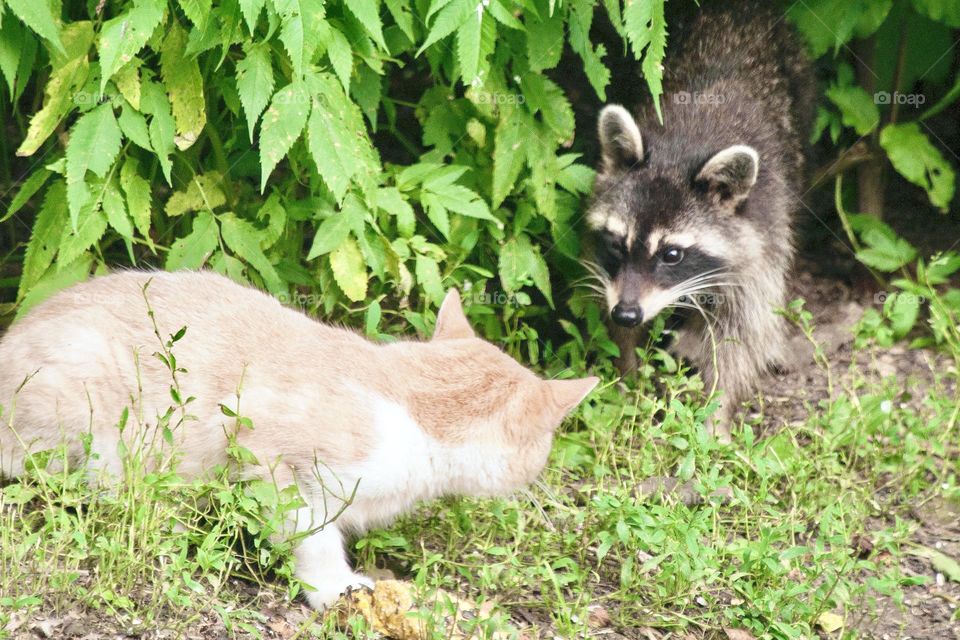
694	215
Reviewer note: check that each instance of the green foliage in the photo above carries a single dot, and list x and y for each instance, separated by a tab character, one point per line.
905	51
240	136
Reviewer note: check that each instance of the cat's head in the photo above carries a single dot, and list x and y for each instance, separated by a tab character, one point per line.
496	414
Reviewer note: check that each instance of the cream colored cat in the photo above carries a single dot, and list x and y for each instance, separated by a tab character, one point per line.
401	422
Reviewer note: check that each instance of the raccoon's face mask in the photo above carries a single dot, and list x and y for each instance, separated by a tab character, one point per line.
657	232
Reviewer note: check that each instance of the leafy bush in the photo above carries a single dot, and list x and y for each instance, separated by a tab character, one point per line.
337	154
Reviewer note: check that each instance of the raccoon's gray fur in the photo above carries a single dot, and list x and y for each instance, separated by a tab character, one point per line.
695	214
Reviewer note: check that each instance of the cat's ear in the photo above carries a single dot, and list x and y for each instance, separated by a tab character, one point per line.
567	394
451	321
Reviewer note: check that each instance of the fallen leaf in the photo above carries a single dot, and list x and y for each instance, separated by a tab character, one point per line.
830	622
597	617
738	634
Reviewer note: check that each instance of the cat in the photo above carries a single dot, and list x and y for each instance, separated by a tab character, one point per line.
331	412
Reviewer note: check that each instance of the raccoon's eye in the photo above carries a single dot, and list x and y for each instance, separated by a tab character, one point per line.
671	255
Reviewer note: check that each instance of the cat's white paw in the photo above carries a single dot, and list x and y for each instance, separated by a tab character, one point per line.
328	592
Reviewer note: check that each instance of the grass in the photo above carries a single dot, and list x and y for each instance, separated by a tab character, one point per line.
811	520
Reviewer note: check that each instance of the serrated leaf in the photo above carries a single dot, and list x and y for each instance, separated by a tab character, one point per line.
54	280
244	239
251	12
128	83
468	48
162	127
276	217
194	249
134	127
93	146
400	10
69	74
367	12
255	83
336	138
460	199
449	19
330	234
116	210
945	11
522	263
341	57
36	14
282	124
349	270
392	201
916	159
544	41
544	96
124	36
12	37
203	192
184	84
300	30
580	22
91	226
45	237
884	251
197	11
27	190
139	197
508	156
646	28
428	276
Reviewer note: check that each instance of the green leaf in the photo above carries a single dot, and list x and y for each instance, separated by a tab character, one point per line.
508	155
943	563
392	201
449	19
12	39
916	159
255	83
122	37
139	197
134	127
428	276
341	57
194	249
885	251
400	10
197	11
282	124
349	270
116	211
91	226
545	97
27	190
203	192
857	108
581	19
69	74
902	310
162	127
330	234
251	12
300	30
36	15
244	239
54	280
93	146
944	11
826	24
520	264
544	41
468	48
336	138
367	12
646	29
459	199
45	237
181	77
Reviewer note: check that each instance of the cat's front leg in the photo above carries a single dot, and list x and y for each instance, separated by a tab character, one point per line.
321	563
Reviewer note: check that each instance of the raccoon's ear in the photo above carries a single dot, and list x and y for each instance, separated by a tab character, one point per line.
730	174
451	321
620	139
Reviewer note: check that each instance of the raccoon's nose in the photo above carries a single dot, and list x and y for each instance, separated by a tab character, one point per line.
627	315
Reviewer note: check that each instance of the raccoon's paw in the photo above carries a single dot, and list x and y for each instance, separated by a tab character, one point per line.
328	592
